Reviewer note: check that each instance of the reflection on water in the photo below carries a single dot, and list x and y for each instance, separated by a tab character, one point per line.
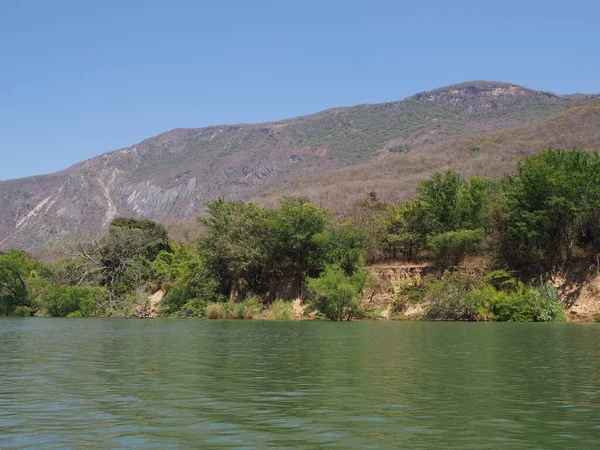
235	384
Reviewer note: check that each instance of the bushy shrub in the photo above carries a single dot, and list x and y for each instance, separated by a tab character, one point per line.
278	310
246	309
189	296
22	311
449	299
408	292
193	308
336	295
528	304
496	296
453	246
60	301
216	311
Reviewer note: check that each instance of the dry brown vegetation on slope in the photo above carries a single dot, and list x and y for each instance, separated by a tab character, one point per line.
395	177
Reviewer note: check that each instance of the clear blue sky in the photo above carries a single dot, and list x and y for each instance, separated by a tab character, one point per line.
79	78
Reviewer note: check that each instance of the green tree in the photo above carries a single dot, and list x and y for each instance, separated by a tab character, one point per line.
73	301
296	225
451	247
441	197
15	269
403	232
336	295
127	250
341	245
238	246
551	205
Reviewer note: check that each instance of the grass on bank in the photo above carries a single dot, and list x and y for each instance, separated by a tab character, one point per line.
251	308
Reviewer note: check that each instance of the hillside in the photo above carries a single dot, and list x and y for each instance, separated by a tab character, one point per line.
491	154
169	177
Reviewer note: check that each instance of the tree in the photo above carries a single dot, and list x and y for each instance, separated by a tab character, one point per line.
296	225
441	196
187	280
77	301
238	247
451	247
403	233
551	205
336	295
341	245
15	268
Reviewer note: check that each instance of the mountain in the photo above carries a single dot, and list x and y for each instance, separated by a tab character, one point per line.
169	177
490	154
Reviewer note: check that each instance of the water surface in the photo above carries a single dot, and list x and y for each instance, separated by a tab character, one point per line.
251	384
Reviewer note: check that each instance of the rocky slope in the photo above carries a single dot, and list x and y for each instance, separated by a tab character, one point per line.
490	154
169	177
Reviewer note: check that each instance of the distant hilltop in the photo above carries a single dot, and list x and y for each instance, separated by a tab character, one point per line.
333	156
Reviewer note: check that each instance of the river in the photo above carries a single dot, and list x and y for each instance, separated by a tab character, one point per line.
250	384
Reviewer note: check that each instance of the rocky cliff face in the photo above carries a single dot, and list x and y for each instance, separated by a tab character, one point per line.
169	177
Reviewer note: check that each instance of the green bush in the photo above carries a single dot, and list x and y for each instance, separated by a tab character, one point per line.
189	296
193	308
216	311
449	299
22	311
453	246
336	295
60	301
278	310
408	292
246	309
528	304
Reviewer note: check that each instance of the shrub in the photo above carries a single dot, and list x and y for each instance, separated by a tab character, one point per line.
189	296
193	308
528	304
215	311
60	301
548	307
22	311
453	246
247	309
336	295
278	310
408	292
449	299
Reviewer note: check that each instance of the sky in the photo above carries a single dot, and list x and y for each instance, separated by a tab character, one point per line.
80	78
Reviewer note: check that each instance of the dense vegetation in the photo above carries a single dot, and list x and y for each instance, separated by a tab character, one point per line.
251	259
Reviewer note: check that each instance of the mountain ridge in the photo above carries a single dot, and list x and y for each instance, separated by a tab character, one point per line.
170	176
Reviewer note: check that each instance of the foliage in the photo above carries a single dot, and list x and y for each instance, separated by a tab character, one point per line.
341	245
496	296
61	301
238	246
249	249
409	292
247	309
278	310
451	247
127	250
551	205
528	304
188	281
336	295
449	299
15	268
402	233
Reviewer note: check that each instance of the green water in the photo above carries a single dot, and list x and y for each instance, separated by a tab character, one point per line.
235	384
